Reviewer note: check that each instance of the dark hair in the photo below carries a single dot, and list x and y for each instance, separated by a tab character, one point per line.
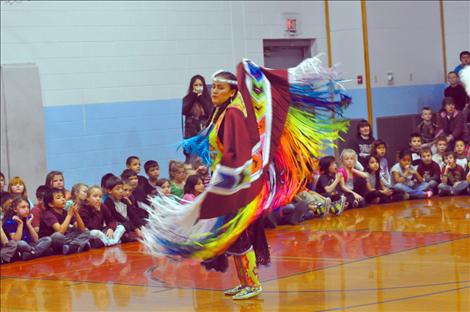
18	200
375	145
426	108
149	164
3	176
449	153
463	53
377	173
229	76
162	181
425	150
50	176
191	182
105	178
448	100
452	72
130	159
40	191
441	138
325	163
127	174
205	91
113	181
415	135
404	152
49	196
363	123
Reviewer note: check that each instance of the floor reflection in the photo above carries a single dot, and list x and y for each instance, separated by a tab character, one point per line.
321	263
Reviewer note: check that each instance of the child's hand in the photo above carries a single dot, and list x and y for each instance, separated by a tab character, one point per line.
29	219
127	200
339	175
71	210
110	233
358	197
17	219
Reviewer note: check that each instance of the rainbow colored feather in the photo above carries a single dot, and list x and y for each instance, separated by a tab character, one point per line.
174	228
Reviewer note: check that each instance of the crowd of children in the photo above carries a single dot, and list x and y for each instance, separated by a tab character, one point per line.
63	222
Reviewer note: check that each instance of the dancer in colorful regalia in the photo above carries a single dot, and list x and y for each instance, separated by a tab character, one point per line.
262	144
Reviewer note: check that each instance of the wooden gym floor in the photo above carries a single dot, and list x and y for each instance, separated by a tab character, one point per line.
408	256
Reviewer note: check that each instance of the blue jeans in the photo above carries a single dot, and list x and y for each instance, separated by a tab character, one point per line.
416	192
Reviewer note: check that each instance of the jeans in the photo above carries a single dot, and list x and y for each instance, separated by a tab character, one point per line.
72	237
109	241
34	249
416	192
456	189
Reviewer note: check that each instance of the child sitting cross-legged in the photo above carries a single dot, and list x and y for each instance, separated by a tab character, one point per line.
99	220
452	178
66	228
429	169
407	179
377	192
18	226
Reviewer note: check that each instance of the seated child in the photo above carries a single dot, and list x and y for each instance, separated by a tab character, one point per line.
354	180
98	219
17	187
2	183
415	146
133	163
121	211
379	151
441	147
7	247
193	187
78	195
38	210
133	195
426	128
429	169
408	180
55	179
461	157
331	184
201	170
152	169
377	192
66	228
452	178
178	176
18	226
164	187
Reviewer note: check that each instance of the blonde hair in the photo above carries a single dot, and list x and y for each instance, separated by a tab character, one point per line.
174	166
348	151
17	180
92	188
76	188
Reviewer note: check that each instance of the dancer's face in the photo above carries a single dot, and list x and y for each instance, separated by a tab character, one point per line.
221	92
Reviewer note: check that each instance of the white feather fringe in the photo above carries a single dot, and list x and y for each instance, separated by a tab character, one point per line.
172	220
465	78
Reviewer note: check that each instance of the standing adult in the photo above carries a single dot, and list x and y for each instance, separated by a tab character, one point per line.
197	106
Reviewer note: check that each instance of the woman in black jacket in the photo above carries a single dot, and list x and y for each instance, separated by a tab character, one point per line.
197	107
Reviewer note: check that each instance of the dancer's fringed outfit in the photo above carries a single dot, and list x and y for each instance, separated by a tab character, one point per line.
262	147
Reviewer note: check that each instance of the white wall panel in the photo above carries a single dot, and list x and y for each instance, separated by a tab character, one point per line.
457	26
88	52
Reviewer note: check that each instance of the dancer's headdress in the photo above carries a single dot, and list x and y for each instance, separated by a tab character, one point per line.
222	79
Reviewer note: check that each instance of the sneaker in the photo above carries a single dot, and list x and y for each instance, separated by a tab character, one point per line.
69	249
338	206
248	292
428	194
84	247
233	291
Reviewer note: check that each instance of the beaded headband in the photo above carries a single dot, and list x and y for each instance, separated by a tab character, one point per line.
221	79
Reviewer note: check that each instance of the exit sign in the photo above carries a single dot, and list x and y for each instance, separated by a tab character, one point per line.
292	25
